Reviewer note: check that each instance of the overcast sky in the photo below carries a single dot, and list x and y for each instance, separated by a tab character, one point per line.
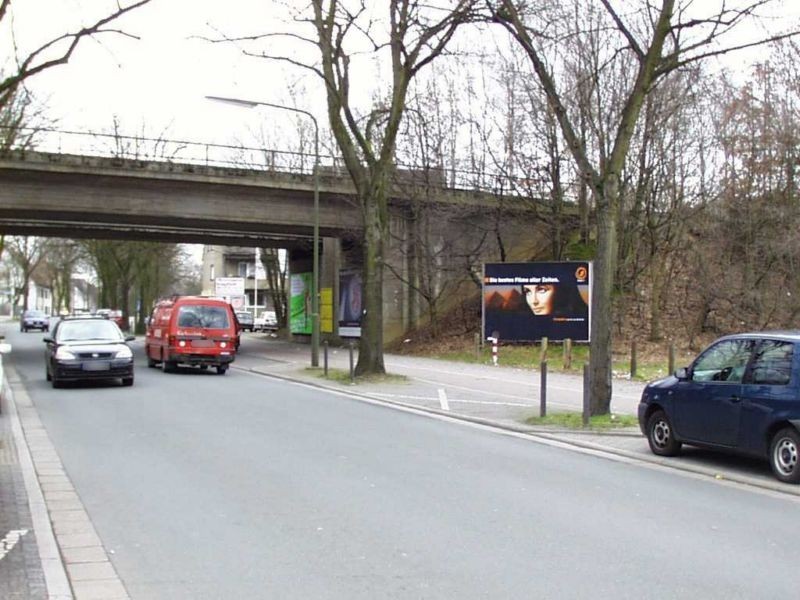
160	81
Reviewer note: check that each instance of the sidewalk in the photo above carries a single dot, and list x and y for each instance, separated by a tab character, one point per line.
21	574
484	395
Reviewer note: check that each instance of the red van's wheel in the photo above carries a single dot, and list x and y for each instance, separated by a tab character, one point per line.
221	369
150	362
167	365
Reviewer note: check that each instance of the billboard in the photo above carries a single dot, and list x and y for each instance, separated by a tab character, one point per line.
300	303
350	309
525	302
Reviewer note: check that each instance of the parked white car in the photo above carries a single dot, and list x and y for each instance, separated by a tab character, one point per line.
266	321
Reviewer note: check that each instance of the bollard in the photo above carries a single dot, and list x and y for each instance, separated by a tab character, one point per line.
567	353
543	390
494	339
585	395
325	357
634	362
543	357
671	359
352	368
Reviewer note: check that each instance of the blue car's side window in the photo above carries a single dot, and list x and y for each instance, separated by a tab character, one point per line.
772	363
724	362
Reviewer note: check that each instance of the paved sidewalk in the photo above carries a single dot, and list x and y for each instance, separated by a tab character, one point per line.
21	575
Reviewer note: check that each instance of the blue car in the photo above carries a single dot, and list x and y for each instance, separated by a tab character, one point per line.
741	394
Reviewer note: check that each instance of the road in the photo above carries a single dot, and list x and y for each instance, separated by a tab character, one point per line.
242	486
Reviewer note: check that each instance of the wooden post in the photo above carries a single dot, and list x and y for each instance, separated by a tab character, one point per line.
671	359
478	347
325	363
543	357
567	353
634	362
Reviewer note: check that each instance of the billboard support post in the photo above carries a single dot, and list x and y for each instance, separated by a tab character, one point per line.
543	390
586	392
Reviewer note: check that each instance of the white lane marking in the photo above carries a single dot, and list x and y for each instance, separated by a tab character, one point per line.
431	399
443	399
7	543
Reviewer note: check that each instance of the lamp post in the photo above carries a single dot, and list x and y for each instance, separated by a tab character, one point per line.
315	273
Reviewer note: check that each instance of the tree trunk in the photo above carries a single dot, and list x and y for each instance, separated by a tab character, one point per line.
602	288
370	349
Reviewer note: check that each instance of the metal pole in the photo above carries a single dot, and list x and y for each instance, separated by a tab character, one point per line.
543	391
325	363
586	395
352	370
315	274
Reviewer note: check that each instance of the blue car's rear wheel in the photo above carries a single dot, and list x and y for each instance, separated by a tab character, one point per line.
783	455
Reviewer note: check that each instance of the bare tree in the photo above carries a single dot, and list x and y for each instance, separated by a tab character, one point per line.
276	283
413	33
27	253
56	51
659	38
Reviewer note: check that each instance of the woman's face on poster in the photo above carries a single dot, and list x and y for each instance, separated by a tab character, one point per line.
540	298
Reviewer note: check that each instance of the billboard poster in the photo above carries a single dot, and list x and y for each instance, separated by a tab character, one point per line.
350	310
525	302
300	303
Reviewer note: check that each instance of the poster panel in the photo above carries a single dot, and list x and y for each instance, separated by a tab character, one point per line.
350	310
525	302
229	286
300	303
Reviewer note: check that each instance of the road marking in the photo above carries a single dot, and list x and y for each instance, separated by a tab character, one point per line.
7	543
432	399
443	399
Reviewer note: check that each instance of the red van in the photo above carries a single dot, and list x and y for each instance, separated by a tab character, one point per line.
191	330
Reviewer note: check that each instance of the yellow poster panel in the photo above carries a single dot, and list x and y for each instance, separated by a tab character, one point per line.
326	310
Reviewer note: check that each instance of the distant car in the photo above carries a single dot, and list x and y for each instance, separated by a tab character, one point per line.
741	394
245	319
115	315
82	348
34	319
267	321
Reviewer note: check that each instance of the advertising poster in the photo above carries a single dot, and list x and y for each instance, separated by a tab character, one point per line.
300	303
326	310
525	302
350	303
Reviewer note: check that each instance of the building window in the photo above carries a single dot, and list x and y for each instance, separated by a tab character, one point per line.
211	273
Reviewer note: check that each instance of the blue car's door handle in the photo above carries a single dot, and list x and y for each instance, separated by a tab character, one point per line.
735	399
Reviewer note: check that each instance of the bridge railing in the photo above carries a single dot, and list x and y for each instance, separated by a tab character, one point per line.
113	145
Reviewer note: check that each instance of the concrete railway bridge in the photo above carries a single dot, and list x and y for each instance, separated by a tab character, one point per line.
438	232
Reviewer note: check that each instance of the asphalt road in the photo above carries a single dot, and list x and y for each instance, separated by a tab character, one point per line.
241	486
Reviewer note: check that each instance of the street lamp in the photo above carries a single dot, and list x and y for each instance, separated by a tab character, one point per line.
315	273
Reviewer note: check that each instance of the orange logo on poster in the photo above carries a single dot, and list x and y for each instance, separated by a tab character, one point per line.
581	273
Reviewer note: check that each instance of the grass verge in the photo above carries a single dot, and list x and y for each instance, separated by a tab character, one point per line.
574	420
343	376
